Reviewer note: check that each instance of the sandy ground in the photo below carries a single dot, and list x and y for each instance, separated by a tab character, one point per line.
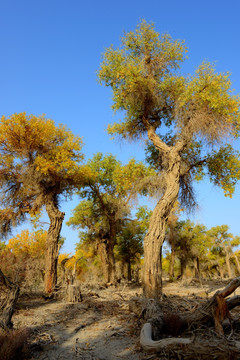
101	327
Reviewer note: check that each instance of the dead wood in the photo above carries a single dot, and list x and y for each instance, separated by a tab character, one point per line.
74	294
216	310
9	303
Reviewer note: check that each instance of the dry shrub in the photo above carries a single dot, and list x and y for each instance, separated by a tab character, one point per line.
14	344
24	270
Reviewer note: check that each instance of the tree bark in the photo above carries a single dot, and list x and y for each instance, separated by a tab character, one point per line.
229	269
106	253
183	266
152	274
196	263
129	270
171	266
56	219
8	306
237	263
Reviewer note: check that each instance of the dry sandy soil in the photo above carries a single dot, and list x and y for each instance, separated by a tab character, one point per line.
104	326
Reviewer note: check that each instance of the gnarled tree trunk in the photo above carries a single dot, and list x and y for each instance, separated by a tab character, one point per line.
152	274
171	266
228	264
9	303
105	250
56	219
196	264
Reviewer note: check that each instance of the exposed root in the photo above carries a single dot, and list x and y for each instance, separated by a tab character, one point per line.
149	344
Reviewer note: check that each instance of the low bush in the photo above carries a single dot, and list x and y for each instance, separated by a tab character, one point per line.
14	344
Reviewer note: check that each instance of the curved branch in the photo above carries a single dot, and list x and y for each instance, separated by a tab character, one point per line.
149	344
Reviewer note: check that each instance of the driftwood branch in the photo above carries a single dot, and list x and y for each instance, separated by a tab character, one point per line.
149	344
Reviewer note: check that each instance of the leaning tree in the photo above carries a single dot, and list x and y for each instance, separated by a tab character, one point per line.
39	163
188	120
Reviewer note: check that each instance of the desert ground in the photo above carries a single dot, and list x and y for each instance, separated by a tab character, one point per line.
106	324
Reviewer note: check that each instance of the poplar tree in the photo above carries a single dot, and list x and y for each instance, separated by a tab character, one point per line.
190	122
39	164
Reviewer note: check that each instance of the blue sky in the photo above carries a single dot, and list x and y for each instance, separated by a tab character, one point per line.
51	51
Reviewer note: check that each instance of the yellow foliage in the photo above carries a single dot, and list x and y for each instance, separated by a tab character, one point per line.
28	243
51	149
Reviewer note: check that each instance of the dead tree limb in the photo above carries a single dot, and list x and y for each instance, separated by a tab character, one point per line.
215	309
9	303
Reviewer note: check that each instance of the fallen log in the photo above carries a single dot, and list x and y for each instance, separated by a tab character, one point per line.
216	309
9	303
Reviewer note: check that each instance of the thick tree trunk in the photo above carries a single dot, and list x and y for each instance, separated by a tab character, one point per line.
237	263
106	253
152	274
8	306
171	266
229	269
221	272
56	219
196	264
129	270
183	266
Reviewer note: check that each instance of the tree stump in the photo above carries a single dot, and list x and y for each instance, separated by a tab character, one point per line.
74	294
8	305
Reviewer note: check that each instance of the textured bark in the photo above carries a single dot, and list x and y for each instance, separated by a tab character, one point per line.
106	253
129	270
171	267
229	269
196	263
8	306
237	263
183	266
74	294
152	274
221	273
56	219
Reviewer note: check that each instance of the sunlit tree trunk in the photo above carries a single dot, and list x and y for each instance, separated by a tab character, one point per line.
229	269
105	248
196	263
221	272
56	219
237	263
102	251
152	273
172	261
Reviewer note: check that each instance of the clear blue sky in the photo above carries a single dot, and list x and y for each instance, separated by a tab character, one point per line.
51	51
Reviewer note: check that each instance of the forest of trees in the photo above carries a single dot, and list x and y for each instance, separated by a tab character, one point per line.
188	124
191	251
